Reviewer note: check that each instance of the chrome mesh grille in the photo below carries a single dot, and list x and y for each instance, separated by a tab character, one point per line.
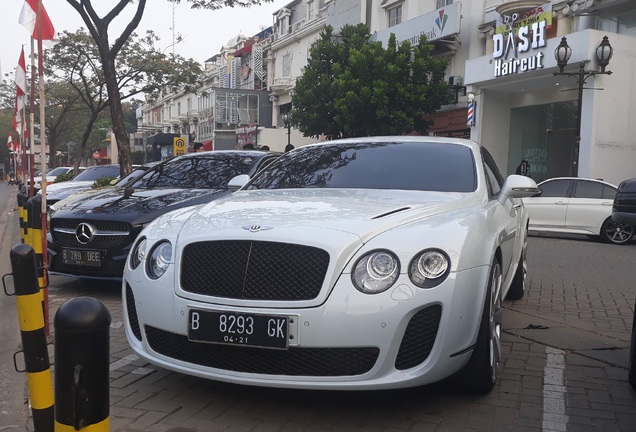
68	239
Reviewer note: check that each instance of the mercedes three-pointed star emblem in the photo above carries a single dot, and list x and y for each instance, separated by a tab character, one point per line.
84	233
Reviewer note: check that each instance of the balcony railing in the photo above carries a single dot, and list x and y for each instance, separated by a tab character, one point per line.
283	83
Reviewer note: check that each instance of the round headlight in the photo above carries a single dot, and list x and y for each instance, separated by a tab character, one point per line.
159	259
138	253
429	268
375	272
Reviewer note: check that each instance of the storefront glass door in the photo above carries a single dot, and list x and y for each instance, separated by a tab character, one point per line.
544	135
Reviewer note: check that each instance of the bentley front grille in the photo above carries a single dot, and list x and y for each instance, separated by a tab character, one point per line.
254	270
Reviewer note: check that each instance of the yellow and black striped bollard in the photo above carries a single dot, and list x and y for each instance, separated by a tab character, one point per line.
34	346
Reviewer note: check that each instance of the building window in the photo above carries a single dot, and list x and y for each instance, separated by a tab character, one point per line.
394	15
287	59
622	24
443	3
311	10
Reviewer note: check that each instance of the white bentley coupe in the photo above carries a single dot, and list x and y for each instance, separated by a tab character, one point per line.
367	263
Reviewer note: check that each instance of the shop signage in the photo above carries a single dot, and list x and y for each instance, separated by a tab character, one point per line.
515	36
246	135
434	25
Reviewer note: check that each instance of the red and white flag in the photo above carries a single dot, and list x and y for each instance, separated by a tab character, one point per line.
21	83
30	19
10	143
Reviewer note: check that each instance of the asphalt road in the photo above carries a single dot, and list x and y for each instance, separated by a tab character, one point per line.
565	348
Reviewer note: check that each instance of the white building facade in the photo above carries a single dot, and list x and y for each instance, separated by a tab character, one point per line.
521	109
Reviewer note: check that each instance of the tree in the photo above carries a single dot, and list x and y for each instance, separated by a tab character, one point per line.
353	86
98	28
141	69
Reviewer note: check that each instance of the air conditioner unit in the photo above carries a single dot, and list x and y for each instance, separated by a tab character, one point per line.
455	80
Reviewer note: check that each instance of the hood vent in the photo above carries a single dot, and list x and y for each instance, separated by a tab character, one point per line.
389	213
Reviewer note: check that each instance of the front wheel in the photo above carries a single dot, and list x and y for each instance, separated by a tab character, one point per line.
480	373
518	286
616	233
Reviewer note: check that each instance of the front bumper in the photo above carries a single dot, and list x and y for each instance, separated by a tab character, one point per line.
111	268
403	337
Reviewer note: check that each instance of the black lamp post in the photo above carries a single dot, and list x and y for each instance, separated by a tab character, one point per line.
562	54
287	121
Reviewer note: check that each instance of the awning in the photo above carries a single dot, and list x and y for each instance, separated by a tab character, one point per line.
244	50
208	145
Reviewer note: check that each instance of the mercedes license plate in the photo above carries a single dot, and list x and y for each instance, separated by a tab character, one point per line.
268	331
90	258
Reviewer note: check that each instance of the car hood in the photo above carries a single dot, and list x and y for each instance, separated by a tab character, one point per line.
297	214
56	187
132	204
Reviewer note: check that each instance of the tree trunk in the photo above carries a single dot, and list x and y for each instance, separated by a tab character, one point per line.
119	129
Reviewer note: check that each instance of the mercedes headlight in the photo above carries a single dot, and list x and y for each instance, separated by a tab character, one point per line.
429	268
159	259
375	272
138	253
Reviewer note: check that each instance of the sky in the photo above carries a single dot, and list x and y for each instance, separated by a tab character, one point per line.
203	31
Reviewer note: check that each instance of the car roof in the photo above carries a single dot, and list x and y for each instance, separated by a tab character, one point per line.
578	178
402	138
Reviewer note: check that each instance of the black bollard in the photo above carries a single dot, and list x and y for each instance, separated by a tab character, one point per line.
36	355
82	357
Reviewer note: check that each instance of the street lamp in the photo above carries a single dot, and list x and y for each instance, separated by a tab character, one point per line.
287	121
562	54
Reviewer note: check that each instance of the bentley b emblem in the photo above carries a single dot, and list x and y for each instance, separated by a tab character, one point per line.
256	228
84	233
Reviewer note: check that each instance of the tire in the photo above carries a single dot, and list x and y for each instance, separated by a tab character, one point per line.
632	354
518	286
616	233
479	376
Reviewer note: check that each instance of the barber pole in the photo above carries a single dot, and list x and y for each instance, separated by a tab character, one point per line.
471	114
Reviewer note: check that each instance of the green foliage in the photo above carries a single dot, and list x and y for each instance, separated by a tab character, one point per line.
353	86
102	181
64	177
218	4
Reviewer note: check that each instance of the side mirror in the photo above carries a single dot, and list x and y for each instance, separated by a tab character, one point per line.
238	182
518	186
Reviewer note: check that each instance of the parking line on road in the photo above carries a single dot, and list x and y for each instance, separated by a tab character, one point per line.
123	361
554	392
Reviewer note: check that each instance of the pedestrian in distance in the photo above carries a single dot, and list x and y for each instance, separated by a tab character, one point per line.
523	168
198	147
265	148
248	146
289	147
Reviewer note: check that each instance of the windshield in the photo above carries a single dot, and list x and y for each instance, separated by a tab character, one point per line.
386	165
57	171
93	173
213	171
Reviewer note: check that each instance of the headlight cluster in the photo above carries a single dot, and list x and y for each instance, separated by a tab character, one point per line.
429	268
378	270
138	253
158	258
